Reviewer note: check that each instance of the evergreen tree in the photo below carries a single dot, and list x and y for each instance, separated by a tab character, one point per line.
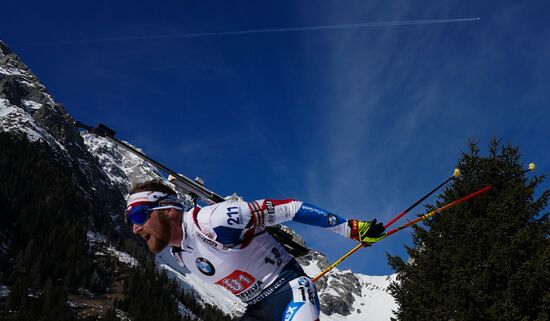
486	259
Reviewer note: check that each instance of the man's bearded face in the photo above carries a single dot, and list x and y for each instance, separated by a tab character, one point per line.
155	231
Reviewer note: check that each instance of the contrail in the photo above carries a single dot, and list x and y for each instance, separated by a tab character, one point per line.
251	31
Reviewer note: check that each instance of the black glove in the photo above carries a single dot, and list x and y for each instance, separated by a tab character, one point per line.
367	232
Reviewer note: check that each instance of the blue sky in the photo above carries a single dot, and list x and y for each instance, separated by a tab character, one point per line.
359	121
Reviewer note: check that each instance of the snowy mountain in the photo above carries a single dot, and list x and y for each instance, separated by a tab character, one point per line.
102	171
27	111
121	166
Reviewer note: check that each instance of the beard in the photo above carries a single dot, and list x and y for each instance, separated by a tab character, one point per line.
160	236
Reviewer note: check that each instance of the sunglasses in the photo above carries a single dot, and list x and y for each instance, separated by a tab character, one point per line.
140	214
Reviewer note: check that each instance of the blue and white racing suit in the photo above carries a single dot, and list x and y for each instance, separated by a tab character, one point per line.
223	245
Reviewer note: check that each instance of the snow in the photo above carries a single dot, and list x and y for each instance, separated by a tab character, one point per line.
108	249
4	291
185	312
15	119
86	292
26	83
313	270
9	113
22	76
34	293
10	71
94	237
374	303
123	257
32	105
121	166
4	245
121	315
6	108
377	302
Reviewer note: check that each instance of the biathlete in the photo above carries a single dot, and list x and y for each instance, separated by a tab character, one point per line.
223	244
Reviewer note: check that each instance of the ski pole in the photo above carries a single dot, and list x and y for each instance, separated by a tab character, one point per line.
456	173
464	199
428	215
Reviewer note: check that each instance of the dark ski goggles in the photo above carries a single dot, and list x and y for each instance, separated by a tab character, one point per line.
138	214
141	205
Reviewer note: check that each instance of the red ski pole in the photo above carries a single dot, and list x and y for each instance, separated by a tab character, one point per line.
464	199
456	173
426	216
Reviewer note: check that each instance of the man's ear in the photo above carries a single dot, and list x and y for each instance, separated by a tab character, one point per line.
169	212
173	213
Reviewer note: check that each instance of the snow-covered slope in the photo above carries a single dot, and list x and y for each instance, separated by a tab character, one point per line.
22	97
349	296
16	120
122	167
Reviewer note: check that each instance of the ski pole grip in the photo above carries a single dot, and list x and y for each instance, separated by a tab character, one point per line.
456	173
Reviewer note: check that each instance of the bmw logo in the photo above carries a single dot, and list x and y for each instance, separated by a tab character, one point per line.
205	266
